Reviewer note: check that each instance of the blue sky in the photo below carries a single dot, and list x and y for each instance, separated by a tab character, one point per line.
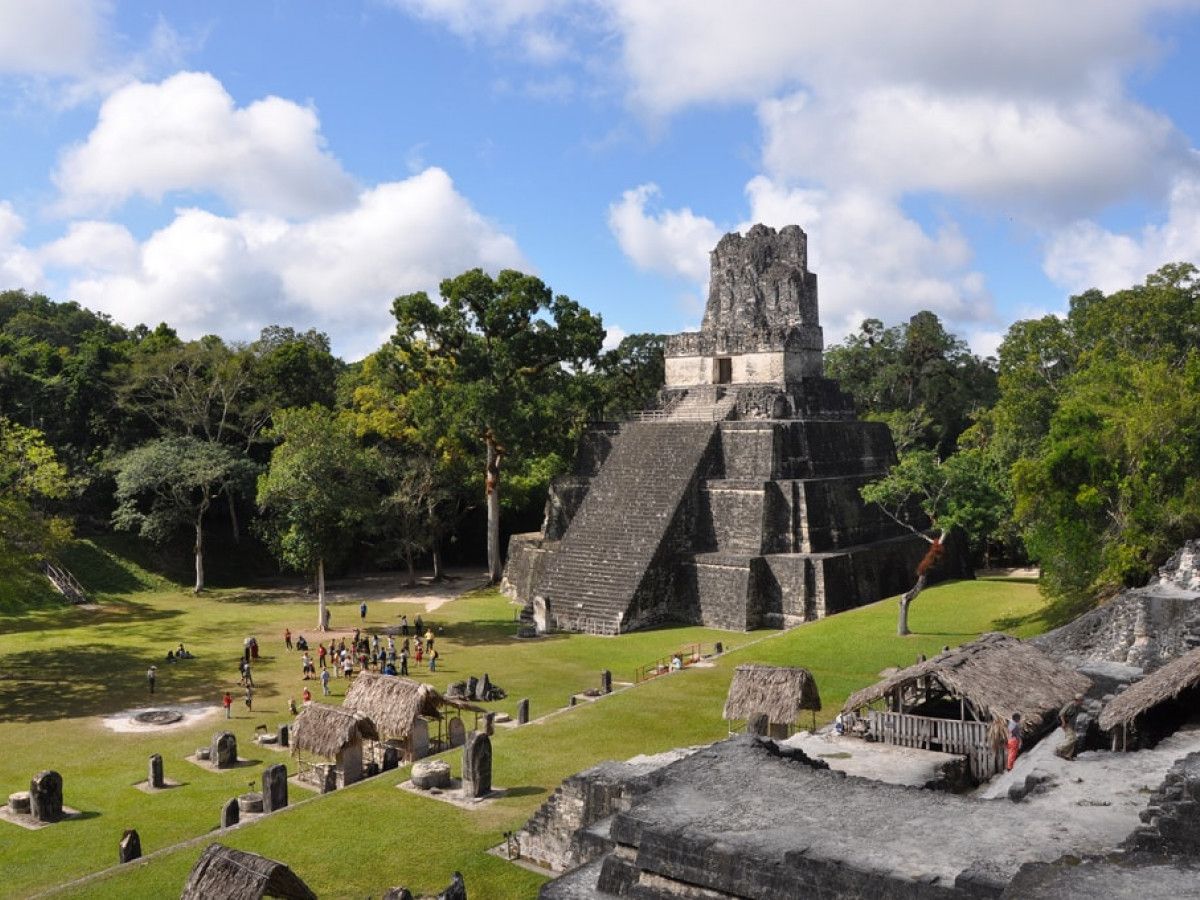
228	165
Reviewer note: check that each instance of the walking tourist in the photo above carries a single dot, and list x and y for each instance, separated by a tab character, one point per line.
1014	740
321	654
404	661
325	681
1066	721
249	696
287	638
306	696
433	658
404	625
227	702
362	611
151	674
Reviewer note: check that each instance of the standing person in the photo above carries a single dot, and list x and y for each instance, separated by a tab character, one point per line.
404	625
227	702
249	697
151	674
348	665
362	611
287	638
418	653
321	654
308	666
418	625
328	615
306	696
325	681
1066	721
1014	740
404	660
433	658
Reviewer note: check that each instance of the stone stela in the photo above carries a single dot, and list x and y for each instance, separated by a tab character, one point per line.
733	502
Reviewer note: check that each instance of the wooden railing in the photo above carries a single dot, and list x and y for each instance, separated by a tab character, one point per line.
64	582
969	739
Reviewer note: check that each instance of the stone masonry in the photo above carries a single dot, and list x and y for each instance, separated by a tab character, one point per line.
734	503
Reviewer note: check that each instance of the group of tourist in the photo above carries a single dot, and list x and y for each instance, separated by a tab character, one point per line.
367	653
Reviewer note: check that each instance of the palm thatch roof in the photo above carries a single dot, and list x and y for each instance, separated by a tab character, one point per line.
325	730
779	691
392	703
237	875
997	674
1159	686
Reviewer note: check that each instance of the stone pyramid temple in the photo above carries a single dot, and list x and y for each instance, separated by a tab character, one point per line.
734	502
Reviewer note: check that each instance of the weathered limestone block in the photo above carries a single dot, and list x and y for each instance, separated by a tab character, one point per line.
523	712
457	731
231	813
155	777
477	765
130	847
485	688
251	802
274	787
419	739
223	753
284	735
326	777
46	796
489	724
606	682
19	802
431	773
398	893
472	688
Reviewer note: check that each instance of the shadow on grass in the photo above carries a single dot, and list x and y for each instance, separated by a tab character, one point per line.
528	791
1053	615
66	617
98	571
95	679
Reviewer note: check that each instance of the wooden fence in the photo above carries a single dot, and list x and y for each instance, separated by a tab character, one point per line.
969	739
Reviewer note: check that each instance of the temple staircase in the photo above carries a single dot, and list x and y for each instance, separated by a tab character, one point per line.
593	578
64	582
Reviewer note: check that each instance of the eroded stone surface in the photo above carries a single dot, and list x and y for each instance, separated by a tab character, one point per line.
477	765
430	773
155	771
46	796
274	787
130	847
223	752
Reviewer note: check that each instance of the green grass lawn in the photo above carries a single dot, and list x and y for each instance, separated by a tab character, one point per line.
63	668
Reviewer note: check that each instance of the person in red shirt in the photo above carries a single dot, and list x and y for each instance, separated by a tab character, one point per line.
227	702
306	696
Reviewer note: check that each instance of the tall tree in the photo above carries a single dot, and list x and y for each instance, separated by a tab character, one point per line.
170	483
318	492
929	497
495	350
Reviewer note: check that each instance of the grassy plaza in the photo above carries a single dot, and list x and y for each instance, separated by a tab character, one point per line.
66	668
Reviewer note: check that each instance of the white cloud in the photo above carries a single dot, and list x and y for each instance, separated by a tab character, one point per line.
1085	255
1033	156
19	267
231	275
50	37
531	22
185	134
613	336
682	52
672	242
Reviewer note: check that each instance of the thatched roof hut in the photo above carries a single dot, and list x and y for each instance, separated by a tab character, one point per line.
392	703
1155	689
780	692
237	875
996	674
327	730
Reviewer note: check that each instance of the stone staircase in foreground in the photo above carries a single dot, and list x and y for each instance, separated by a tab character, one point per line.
593	580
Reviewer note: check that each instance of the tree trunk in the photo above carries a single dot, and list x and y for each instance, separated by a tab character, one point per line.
905	599
199	554
321	595
412	572
494	454
233	519
438	574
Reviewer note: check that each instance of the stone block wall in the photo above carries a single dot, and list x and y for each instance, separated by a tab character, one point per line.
1172	819
730	517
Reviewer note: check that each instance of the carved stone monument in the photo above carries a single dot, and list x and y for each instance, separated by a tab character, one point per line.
456	890
606	682
130	847
472	688
223	753
457	731
46	796
231	813
155	777
523	712
284	735
419	739
734	502
274	787
477	766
